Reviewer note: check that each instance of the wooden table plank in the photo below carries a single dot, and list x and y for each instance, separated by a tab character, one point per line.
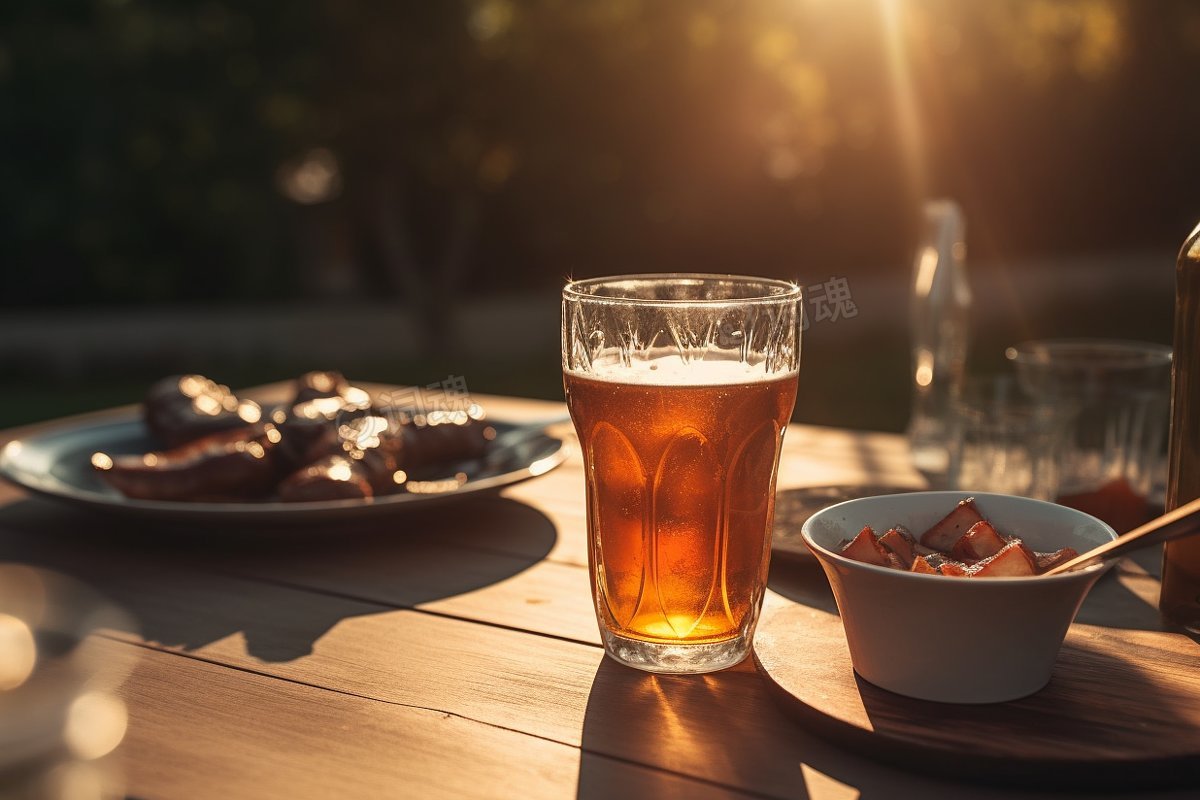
722	728
411	570
248	736
716	725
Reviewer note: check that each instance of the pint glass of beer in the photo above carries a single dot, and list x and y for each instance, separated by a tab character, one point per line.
680	388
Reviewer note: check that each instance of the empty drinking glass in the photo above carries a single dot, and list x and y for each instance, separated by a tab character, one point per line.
1000	440
1114	463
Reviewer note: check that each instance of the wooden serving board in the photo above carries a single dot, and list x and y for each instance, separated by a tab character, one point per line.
793	507
1122	709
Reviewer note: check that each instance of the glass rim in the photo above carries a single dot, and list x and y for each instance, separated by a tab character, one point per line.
788	291
1089	353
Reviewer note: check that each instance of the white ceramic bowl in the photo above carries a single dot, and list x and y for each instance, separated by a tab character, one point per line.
955	640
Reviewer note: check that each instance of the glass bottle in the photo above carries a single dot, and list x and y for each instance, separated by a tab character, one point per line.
941	302
1180	600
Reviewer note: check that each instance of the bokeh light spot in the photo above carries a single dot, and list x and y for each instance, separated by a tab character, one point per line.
315	178
95	725
18	652
490	19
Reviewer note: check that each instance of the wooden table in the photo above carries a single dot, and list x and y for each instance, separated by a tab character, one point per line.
451	652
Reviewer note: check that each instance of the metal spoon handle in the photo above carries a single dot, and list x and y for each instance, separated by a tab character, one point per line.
1181	522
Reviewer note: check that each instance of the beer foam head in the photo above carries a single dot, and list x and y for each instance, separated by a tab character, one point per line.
672	370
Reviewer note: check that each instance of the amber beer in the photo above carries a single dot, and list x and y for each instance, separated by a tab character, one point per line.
680	469
680	387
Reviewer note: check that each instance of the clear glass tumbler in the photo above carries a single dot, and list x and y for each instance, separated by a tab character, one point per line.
680	388
1000	440
1114	464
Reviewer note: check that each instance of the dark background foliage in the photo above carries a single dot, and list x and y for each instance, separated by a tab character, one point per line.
178	154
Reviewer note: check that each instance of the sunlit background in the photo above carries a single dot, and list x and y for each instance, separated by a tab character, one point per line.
398	189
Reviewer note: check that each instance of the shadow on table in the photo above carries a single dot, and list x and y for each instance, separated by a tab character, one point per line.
694	730
710	735
704	736
188	590
1100	701
1071	694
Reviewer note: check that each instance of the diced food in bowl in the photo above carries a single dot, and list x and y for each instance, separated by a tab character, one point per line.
901	543
951	527
866	548
922	565
962	544
980	542
954	568
1048	561
1013	561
